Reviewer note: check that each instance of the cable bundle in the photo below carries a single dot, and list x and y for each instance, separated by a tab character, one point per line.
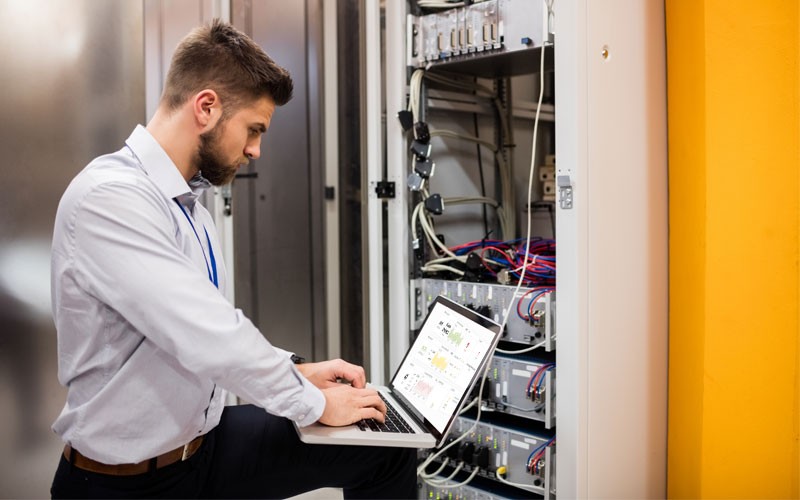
537	379
532	465
509	258
536	294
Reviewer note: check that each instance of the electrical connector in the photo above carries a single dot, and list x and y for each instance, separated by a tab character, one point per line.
452	452
415	182
422	133
424	168
421	150
482	457
474	272
435	204
540	468
503	277
467	453
406	119
537	318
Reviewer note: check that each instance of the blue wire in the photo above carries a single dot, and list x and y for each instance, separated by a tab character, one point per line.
541	382
533	301
536	450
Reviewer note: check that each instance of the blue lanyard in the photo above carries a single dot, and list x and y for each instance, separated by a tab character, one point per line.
211	276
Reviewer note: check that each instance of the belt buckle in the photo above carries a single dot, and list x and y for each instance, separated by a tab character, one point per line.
185	454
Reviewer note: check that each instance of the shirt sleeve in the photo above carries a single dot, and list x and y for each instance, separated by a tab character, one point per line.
126	254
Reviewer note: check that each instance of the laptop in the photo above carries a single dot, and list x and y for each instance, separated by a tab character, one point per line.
430	386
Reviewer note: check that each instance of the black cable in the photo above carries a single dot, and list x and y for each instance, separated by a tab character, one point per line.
480	170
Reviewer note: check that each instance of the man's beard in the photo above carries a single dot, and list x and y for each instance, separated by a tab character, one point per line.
209	159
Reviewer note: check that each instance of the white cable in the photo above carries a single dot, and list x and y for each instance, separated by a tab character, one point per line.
440	267
455	135
441	260
522	351
428	227
414	91
453	474
457	485
530	196
462	84
469	406
436	473
424	219
438	4
506	181
463	435
506	481
519	408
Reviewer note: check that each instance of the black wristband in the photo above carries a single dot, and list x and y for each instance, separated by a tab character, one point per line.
297	359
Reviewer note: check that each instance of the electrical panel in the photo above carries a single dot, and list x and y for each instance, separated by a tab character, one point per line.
500	454
489	27
449	490
532	316
520	387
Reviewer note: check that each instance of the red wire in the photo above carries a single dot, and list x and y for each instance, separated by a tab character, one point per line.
526	318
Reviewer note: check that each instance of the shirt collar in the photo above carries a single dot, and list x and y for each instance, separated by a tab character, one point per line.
160	168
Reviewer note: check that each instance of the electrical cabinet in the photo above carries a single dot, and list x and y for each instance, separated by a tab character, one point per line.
600	180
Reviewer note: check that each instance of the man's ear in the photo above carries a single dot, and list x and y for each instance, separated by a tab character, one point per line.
207	109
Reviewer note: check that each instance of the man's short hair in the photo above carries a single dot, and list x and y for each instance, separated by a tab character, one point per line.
217	56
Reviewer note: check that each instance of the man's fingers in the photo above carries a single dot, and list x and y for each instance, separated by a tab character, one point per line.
354	373
376	402
371	413
346	405
370	397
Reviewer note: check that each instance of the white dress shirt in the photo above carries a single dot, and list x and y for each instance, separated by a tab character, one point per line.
146	342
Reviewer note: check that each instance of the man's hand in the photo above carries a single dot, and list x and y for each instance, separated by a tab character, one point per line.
326	374
345	405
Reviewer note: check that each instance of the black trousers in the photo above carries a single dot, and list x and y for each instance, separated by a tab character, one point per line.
252	454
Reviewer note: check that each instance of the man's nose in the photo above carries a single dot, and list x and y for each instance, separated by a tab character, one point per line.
253	151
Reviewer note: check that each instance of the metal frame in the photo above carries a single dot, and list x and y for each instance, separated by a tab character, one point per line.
612	340
397	159
331	168
374	210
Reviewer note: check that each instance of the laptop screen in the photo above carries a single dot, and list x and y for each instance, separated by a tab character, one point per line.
443	362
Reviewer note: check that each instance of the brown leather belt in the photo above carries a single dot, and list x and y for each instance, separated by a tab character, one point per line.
75	457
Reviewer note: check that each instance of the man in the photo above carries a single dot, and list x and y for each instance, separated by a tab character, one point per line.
147	343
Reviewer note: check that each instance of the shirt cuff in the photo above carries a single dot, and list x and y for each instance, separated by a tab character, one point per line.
286	353
312	405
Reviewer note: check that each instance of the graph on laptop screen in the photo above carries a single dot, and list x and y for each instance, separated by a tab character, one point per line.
441	363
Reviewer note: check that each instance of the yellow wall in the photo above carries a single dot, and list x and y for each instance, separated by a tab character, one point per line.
734	157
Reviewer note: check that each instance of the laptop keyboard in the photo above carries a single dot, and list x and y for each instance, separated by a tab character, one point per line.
393	423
